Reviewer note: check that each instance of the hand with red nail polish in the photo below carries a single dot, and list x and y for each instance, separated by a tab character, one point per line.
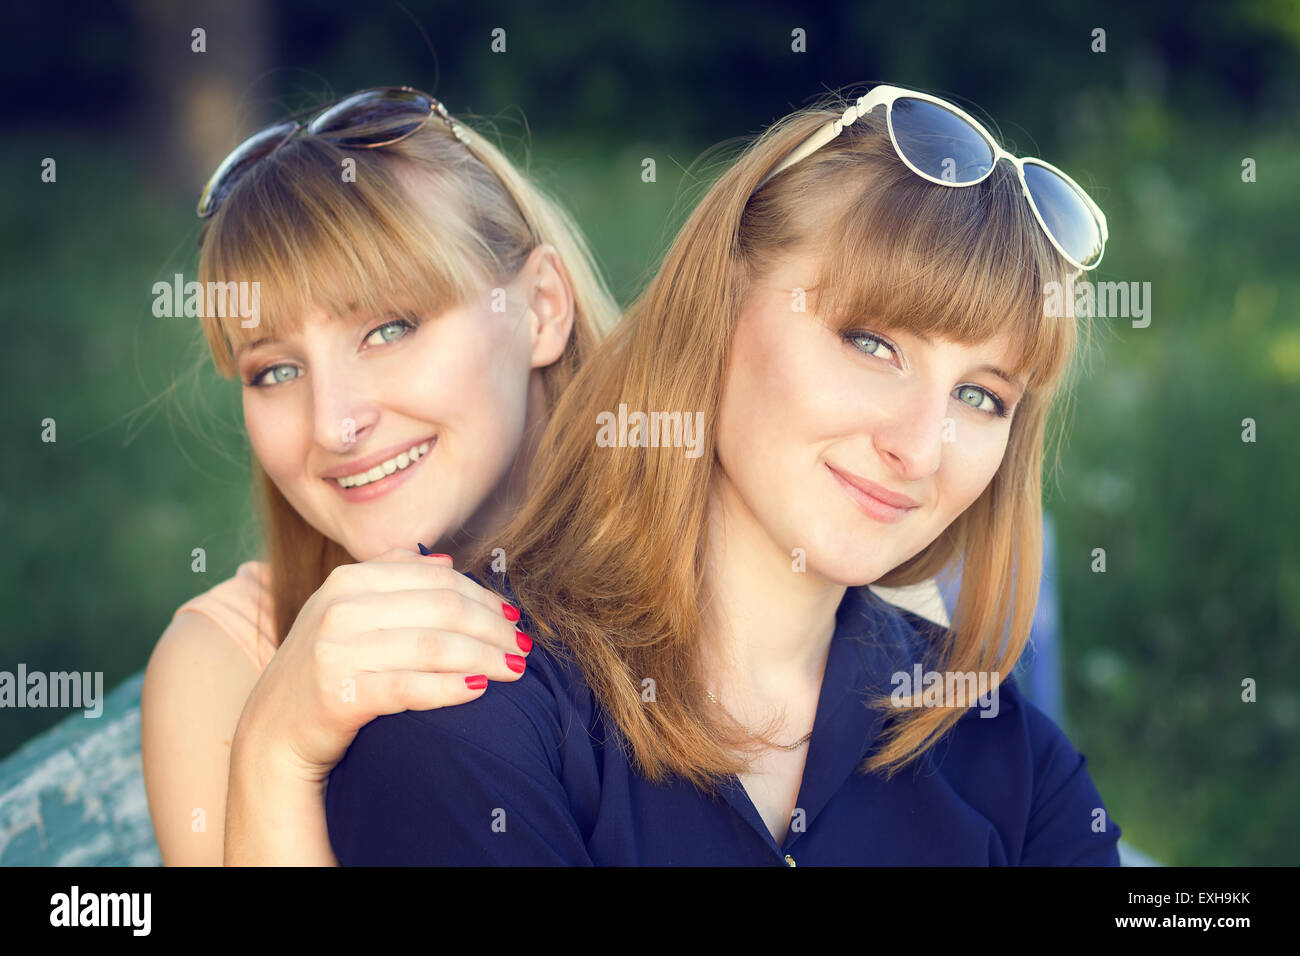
402	631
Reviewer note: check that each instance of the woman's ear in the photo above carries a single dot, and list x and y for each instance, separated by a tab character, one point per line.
550	300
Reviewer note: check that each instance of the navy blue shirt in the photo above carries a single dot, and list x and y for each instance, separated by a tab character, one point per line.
531	773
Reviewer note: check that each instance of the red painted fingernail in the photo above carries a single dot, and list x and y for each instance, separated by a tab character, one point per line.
478	682
524	641
516	663
512	614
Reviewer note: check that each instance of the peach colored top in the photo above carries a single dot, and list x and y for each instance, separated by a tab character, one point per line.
241	605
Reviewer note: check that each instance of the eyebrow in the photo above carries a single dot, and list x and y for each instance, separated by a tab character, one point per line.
252	345
349	313
1005	376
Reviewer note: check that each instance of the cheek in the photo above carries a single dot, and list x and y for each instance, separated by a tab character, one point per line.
278	436
967	469
772	398
476	376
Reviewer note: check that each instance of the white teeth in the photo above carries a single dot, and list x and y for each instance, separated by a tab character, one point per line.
383	469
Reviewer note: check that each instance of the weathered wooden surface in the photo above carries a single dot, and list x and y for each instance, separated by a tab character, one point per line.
74	795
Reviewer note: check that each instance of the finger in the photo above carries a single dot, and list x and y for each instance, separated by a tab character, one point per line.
392	692
412	554
432	651
439	608
403	571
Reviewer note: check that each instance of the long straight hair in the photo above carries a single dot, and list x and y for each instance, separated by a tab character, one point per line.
608	553
312	239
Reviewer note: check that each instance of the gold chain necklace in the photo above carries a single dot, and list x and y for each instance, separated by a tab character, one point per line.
771	743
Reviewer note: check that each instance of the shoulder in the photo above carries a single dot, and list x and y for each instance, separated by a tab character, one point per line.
196	667
1067	822
1015	764
240	607
250	585
1003	720
522	722
199	631
438	786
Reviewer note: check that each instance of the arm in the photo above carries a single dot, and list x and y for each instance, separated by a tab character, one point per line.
476	785
275	817
194	689
399	632
1067	817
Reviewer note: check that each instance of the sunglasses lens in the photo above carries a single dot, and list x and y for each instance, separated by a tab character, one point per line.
1065	214
250	151
938	142
373	117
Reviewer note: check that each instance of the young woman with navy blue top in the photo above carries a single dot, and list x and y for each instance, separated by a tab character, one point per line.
850	367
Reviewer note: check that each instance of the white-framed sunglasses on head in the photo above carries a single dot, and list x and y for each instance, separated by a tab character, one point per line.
945	145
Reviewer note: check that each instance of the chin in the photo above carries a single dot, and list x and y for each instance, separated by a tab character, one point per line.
849	563
852	576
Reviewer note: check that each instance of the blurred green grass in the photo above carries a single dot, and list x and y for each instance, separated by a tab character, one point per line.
1202	587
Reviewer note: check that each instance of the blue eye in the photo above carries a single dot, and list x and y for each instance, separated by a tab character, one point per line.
274	371
999	409
875	344
404	327
856	336
395	324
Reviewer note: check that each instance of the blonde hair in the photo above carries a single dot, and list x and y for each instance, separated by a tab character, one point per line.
310	239
607	555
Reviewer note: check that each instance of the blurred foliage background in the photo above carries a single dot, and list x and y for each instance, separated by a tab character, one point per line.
1202	587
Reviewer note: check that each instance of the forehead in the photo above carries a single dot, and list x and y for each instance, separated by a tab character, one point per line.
286	327
791	285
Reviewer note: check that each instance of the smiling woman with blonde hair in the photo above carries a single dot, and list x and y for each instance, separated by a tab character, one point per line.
422	307
855	306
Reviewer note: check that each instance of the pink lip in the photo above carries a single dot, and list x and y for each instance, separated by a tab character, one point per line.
365	464
377	489
873	500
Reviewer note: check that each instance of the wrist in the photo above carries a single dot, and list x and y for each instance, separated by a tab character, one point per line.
273	815
271	768
263	748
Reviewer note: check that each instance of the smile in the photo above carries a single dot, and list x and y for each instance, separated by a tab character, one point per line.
387	476
397	463
868	504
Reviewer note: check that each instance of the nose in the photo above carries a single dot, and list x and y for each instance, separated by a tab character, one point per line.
910	427
343	408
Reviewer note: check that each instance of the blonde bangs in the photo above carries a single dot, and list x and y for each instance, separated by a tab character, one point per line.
311	239
898	253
